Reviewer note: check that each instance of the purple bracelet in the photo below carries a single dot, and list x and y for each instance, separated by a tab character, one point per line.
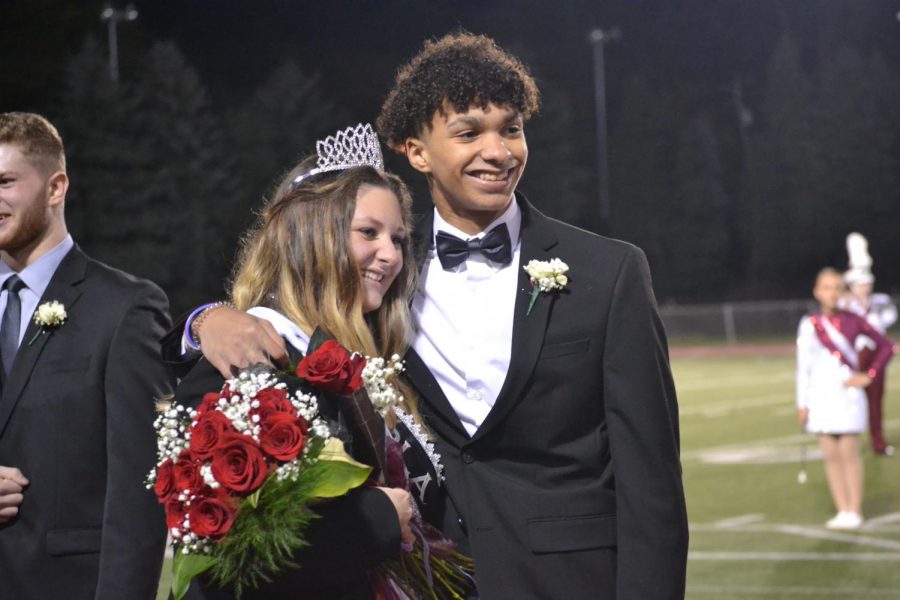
188	338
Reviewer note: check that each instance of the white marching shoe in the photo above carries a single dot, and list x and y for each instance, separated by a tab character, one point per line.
845	521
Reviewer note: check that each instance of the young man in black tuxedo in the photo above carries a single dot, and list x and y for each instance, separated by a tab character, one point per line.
79	380
554	411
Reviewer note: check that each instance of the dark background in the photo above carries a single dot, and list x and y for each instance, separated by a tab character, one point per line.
746	138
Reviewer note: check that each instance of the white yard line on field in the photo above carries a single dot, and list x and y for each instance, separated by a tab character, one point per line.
733	522
786	448
815	592
786	440
728	406
754	523
883	520
751	524
823	534
683	385
796	556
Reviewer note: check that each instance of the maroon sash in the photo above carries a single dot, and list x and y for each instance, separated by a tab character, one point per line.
826	340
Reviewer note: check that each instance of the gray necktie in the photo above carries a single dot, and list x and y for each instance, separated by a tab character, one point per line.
9	326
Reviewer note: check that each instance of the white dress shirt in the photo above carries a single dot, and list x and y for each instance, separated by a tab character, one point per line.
464	321
36	278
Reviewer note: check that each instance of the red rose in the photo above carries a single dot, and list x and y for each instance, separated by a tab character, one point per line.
332	369
272	400
165	482
206	432
175	511
282	435
211	514
187	472
238	463
211	400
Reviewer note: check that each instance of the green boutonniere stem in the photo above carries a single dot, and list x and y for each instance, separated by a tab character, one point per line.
36	335
535	292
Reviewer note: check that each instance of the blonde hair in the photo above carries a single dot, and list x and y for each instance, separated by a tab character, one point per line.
297	260
37	138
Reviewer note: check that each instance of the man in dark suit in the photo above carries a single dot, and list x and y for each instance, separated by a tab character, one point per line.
80	371
557	422
554	411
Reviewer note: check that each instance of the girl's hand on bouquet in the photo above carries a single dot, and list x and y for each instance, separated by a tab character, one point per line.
402	502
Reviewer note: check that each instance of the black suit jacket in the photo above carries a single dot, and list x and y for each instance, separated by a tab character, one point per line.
571	488
76	416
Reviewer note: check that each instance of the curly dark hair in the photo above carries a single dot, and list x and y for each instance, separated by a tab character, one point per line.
461	70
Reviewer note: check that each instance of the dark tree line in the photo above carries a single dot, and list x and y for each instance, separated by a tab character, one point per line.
820	159
163	184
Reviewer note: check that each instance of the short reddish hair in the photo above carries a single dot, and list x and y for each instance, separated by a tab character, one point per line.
36	137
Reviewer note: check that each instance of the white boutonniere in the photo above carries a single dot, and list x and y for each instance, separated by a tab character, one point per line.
48	316
546	277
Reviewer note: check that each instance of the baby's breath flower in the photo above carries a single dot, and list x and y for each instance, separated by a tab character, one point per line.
377	377
50	314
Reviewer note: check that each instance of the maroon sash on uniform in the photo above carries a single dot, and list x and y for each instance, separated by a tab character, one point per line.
826	340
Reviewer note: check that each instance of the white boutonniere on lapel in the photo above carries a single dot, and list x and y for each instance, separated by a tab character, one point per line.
546	276
48	316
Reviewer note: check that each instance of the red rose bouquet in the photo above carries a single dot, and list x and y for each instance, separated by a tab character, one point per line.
237	474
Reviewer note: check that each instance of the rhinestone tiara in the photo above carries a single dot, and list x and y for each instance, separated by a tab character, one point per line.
352	147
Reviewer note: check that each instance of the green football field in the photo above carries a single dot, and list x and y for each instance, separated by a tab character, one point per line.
755	531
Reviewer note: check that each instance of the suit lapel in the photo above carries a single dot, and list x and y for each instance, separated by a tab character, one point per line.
538	239
442	415
61	288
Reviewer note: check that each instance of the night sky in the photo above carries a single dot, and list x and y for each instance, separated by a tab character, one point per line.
357	46
694	50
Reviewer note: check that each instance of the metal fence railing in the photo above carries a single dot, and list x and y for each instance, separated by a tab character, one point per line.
734	322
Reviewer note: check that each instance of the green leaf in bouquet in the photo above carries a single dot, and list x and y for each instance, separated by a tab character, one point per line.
269	530
184	568
339	473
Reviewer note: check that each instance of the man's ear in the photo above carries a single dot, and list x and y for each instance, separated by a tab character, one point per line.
417	154
57	186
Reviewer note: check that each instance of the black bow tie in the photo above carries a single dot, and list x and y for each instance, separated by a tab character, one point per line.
496	246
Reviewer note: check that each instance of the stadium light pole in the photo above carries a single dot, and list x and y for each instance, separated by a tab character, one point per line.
112	16
598	38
